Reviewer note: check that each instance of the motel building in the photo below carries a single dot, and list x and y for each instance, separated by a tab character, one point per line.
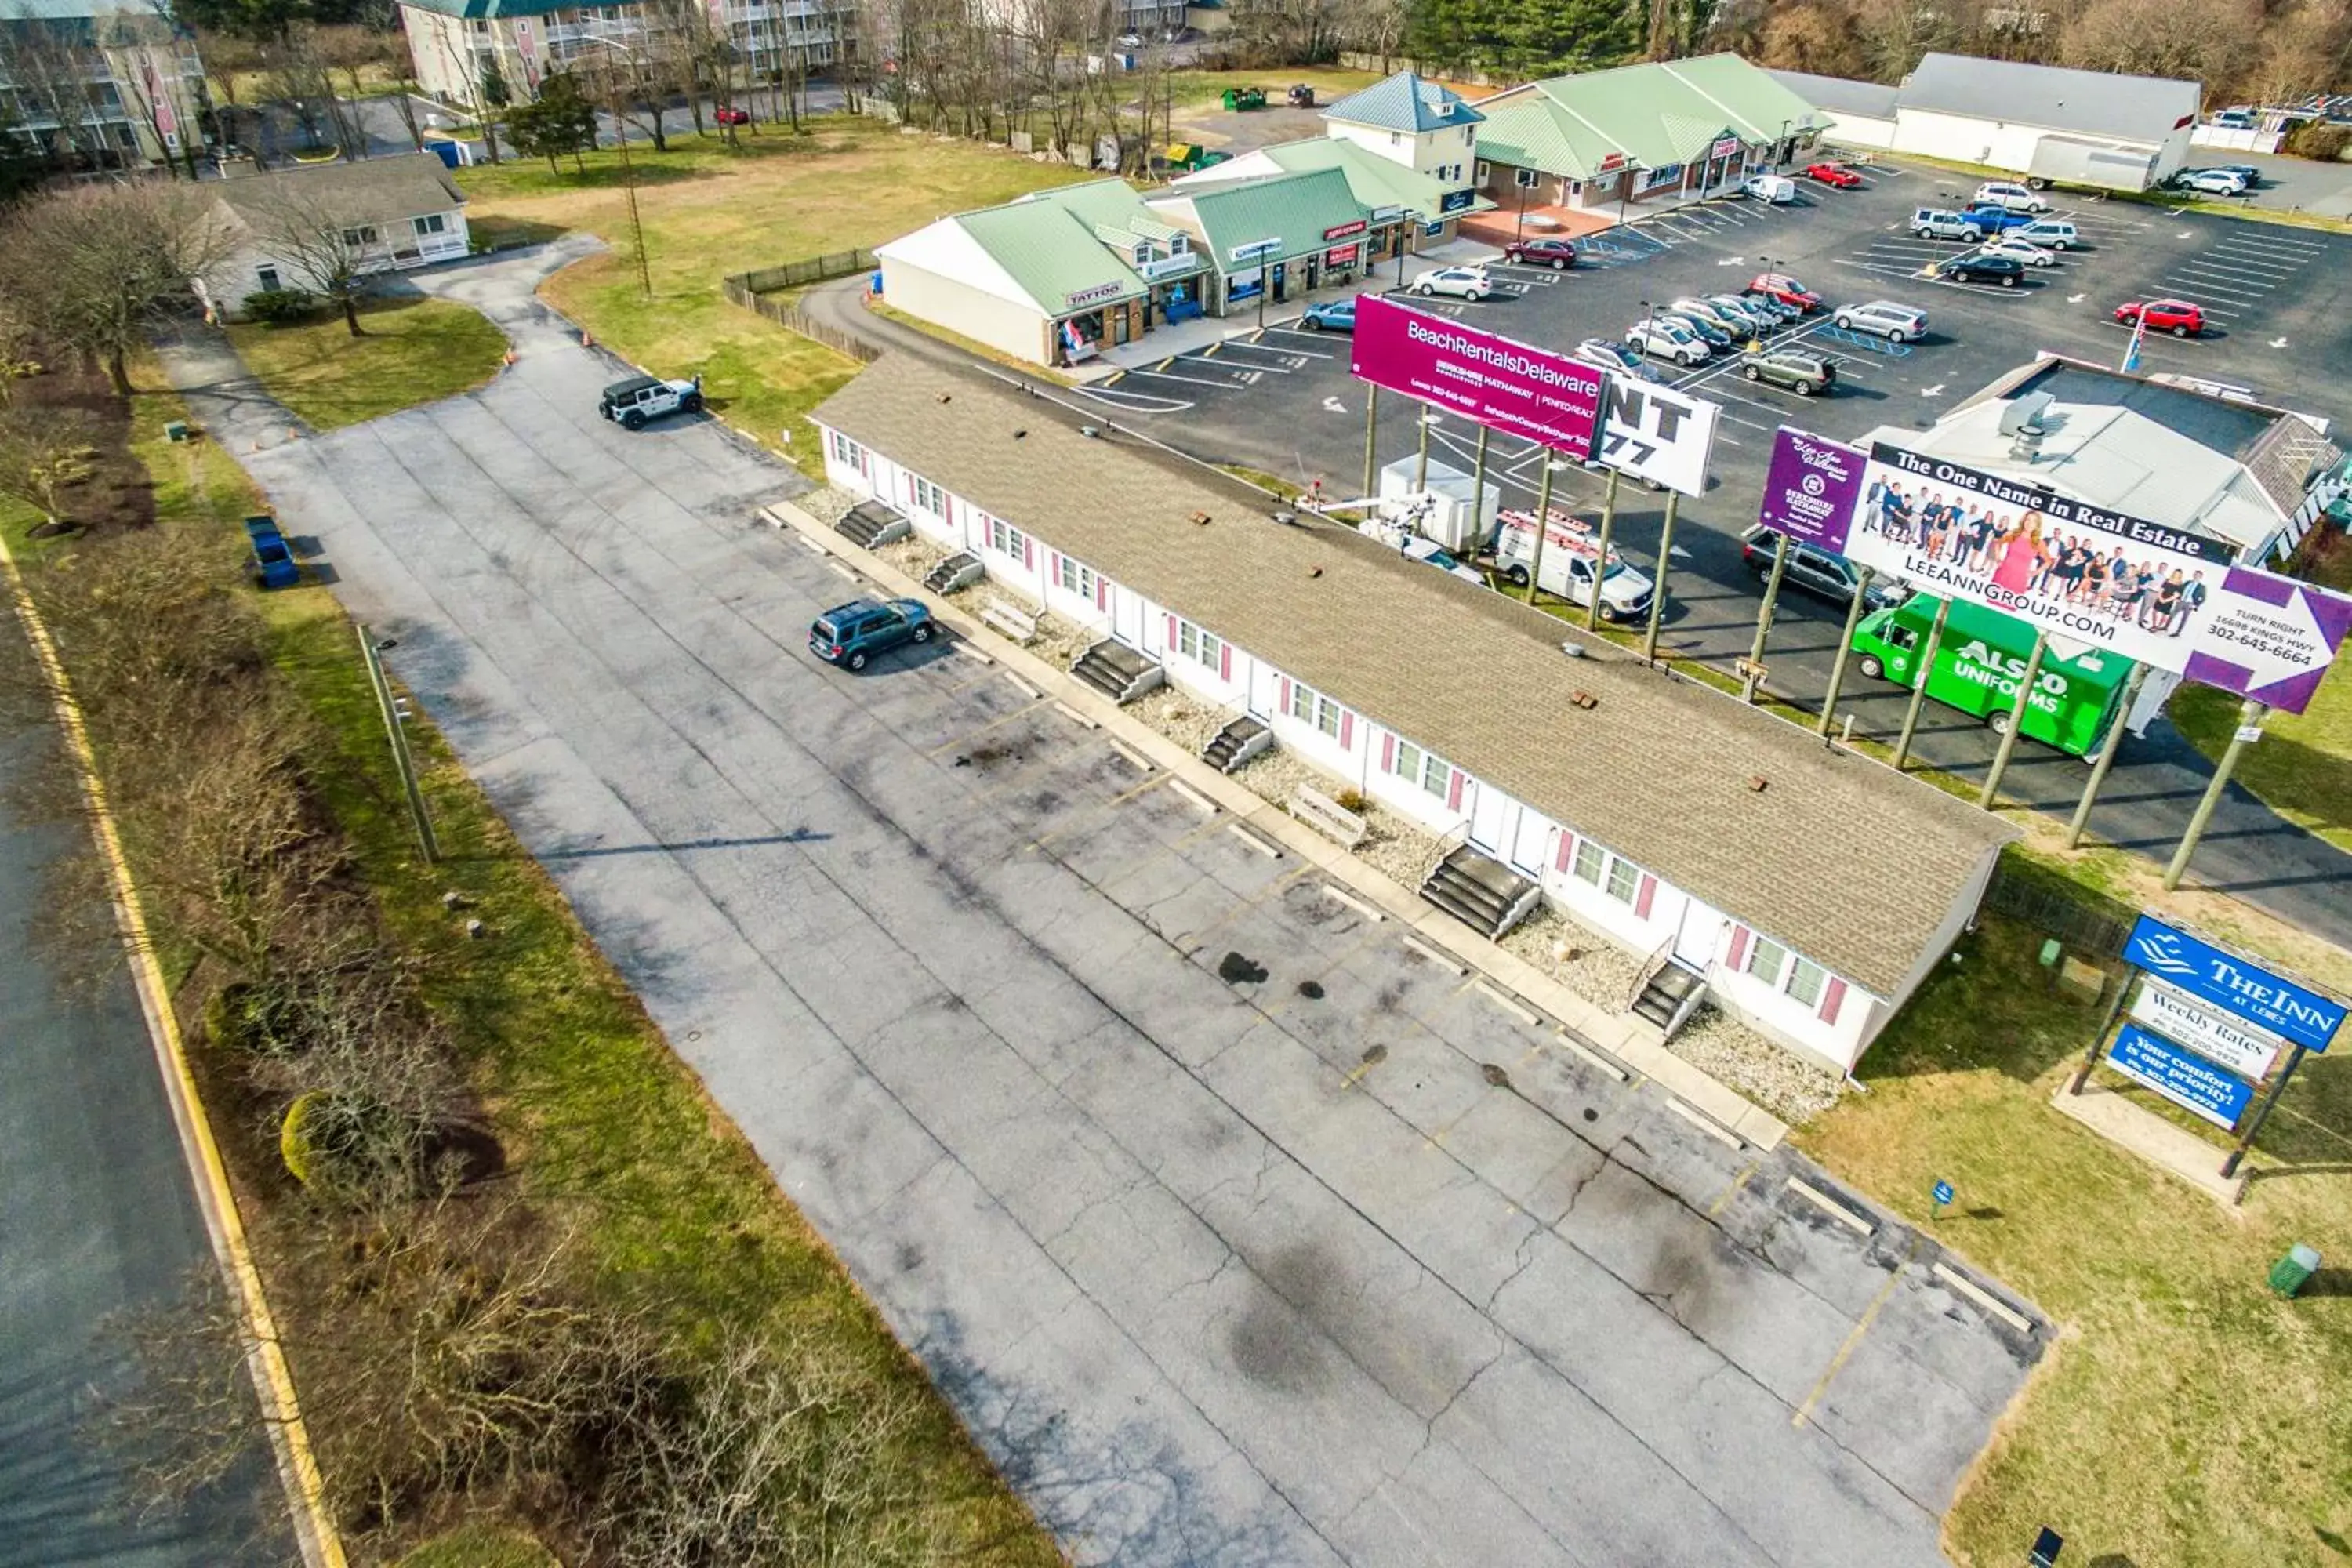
1801	889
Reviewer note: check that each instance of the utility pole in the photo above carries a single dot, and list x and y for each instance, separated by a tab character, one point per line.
1543	526
2114	740
1924	667
401	761
2250	730
1658	589
1371	420
1601	560
1764	616
1846	646
2016	720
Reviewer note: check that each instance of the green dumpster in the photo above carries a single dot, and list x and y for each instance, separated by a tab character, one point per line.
2290	1273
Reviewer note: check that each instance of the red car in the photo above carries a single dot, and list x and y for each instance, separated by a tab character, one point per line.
727	115
1837	175
1787	290
1554	253
2177	316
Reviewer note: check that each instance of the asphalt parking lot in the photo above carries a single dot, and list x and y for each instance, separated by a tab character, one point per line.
1237	1230
2280	304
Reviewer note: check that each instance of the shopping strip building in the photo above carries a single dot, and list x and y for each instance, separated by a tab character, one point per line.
1813	888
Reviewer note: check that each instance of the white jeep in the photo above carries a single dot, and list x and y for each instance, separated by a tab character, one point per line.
631	402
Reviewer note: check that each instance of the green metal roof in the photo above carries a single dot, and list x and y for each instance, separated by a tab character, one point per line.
1296	209
1406	102
1652	115
1372	180
1051	254
494	8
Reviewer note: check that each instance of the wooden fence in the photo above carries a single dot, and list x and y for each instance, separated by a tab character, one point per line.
751	291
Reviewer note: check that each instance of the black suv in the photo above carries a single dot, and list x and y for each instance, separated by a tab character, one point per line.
1815	570
1800	372
1978	268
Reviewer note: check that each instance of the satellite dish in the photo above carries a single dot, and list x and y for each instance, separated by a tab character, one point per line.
2024	416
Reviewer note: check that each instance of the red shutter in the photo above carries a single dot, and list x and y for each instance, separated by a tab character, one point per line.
1028	554
1832	1000
1102	594
1739	959
1388	753
1054	565
1453	790
1643	895
1225	661
1567	850
1285	697
1172	631
1346	729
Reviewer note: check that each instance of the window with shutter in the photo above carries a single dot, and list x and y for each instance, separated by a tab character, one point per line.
1567	847
1225	661
1833	1000
1739	958
1641	900
1346	730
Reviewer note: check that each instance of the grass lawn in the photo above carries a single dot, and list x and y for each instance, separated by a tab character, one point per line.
709	210
415	350
2302	767
2185	1415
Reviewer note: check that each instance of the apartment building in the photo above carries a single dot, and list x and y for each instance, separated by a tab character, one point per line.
456	43
101	84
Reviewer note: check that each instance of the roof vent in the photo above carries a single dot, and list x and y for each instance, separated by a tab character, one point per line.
1573	650
1757	783
1315	571
2023	415
1201	518
1020	435
1287	518
1584	698
1090	432
944	396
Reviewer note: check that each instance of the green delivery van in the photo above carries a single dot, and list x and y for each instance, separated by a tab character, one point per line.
2078	695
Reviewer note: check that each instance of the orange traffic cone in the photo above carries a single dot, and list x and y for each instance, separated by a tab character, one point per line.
585	341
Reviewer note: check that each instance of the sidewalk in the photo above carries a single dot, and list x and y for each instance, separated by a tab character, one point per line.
1584	1028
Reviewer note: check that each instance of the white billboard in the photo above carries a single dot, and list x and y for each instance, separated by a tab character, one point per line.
1656	435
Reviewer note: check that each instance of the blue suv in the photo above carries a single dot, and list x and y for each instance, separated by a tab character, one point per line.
1995	219
854	633
1334	315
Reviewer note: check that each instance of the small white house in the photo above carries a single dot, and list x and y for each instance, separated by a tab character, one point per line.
290	225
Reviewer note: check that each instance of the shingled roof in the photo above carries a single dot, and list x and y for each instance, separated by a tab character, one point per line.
1854	865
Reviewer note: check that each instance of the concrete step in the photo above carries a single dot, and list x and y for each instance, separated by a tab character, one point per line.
1480	892
870	523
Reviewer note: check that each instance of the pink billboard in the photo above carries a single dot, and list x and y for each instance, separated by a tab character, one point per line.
1510	386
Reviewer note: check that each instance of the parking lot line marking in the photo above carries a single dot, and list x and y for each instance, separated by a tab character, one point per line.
1731	1191
1242	906
1830	1207
1121	798
1983	1298
2246	274
1020	686
1705	1123
2275	242
1278	348
969	736
1854	1338
1227	385
1242	376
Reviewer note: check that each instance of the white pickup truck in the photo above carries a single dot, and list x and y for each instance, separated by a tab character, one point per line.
1571	552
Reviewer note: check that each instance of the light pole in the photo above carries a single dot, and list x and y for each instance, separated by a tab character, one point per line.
628	170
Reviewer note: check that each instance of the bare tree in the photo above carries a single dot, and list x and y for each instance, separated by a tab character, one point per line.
98	264
50	69
330	248
2305	49
229	59
1812	37
148	41
44	454
2202	41
19	351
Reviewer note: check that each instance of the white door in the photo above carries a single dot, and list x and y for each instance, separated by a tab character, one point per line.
1127	618
1700	935
1486	824
1531	844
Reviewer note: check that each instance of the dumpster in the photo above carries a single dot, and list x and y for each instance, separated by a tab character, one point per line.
2292	1273
1239	98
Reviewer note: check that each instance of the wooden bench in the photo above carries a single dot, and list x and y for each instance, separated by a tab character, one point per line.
1328	817
1018	624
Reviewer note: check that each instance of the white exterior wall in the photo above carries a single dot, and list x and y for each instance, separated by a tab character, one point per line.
1860	131
1424	153
1009	328
1995	144
225	286
1656	915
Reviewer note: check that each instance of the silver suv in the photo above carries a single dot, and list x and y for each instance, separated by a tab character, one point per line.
1883	319
1933	222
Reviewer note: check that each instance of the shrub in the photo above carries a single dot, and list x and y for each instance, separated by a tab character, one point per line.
2319	140
340	1142
1348	800
276	307
264	1019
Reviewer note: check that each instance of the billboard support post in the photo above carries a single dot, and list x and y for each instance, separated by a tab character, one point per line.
2250	725
1924	668
1372	421
2008	746
2132	683
2263	1112
1658	588
1600	557
1764	616
1421	453
2099	1040
1479	480
1845	646
1543	527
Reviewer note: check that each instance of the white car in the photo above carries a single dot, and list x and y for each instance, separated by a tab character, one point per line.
1667	341
2016	198
1602	355
2215	183
1772	189
1463	282
1883	319
2018	250
1758	318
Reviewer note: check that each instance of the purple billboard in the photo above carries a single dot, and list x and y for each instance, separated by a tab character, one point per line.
1513	387
2271	638
1813	489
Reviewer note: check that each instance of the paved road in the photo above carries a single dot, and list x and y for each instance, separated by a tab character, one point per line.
1084	1089
1287	406
96	1217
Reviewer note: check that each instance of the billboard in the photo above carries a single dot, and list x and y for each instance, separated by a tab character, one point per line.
2234	984
1813	489
1514	387
2189	1081
2271	638
1656	435
2249	1053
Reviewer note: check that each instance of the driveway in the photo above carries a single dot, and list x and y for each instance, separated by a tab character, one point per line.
1238	1230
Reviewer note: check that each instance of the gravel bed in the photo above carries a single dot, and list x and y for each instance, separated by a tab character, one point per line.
1585	962
1057	642
1784	1083
1185	720
913	555
1394	847
827	503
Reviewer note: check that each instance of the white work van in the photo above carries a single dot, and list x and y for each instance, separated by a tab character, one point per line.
1570	554
1775	189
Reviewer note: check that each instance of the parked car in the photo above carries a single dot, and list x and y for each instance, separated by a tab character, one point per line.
2214	182
1833	175
1301	96
1730	325
1463	282
1934	223
1997	219
272	565
1706	331
1780	310
1568	567
631	402
729	114
854	633
1662	337
1774	189
1780	286
2051	234
1801	372
1759	317
2179	317
1331	315
1978	268
1545	250
1883	319
2010	195
2246	171
2234	119
1816	571
1616	357
2018	250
